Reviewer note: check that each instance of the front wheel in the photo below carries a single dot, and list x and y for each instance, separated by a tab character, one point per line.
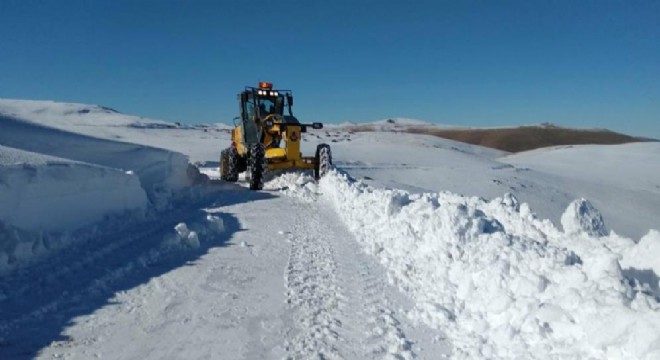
256	166
323	160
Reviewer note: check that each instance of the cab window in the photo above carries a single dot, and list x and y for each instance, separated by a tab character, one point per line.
271	105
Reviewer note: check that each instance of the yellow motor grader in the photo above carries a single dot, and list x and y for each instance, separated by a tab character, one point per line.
265	138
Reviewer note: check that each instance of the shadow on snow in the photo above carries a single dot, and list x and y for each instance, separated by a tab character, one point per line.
37	315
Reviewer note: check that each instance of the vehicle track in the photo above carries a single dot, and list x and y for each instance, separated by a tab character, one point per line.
337	294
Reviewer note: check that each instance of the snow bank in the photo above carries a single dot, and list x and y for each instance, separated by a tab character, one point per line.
43	194
57	194
57	181
161	172
499	281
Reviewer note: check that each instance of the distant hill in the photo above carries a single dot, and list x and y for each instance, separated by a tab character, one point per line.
516	139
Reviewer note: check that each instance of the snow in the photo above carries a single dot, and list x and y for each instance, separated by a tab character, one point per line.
66	115
633	165
395	123
499	281
55	181
392	124
422	163
41	193
582	217
622	181
158	170
198	142
415	247
644	254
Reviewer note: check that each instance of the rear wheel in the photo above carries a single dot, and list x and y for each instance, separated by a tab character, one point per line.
229	165
323	160
223	165
256	166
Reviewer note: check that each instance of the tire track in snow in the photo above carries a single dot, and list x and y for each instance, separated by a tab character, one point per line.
336	296
382	334
313	294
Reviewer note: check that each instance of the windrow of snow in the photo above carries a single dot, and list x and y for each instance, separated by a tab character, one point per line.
503	283
54	181
41	194
160	172
55	195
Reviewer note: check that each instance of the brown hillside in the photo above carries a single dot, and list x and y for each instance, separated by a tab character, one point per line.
523	138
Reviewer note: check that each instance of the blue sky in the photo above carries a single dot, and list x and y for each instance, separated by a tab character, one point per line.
477	63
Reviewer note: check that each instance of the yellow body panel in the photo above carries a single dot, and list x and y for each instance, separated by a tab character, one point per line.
293	135
303	163
278	158
275	153
237	139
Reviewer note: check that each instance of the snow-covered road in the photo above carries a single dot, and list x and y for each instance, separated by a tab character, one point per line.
284	280
340	302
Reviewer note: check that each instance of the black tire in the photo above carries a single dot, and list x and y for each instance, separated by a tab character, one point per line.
223	165
323	160
229	165
232	164
256	166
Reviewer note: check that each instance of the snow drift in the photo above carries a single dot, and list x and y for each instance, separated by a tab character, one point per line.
41	194
55	180
501	282
49	194
158	170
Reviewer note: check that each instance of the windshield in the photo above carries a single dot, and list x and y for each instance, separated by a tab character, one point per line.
271	105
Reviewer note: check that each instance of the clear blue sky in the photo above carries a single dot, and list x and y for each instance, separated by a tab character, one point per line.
477	63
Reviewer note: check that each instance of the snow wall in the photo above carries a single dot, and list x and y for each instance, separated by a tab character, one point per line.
501	282
159	170
60	195
53	183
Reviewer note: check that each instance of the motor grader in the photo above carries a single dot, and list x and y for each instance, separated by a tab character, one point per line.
264	138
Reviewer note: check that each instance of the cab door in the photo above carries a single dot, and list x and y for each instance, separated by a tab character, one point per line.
249	126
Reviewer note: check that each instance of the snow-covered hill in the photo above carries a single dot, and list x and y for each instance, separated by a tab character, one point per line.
415	247
198	142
